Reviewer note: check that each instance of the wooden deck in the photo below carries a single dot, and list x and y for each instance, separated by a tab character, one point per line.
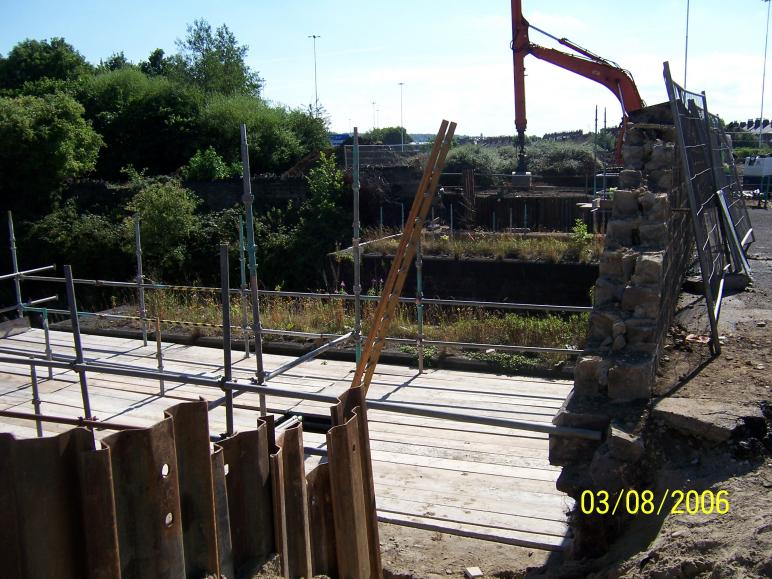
491	482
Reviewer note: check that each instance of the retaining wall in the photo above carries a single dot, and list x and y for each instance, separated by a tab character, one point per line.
646	253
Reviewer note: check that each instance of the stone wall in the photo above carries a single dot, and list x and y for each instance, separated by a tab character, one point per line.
646	253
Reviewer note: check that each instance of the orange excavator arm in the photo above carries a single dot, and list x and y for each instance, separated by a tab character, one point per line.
588	65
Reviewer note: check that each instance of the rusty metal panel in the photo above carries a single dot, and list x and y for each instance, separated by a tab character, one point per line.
352	403
250	505
321	521
147	501
295	503
10	548
196	488
42	508
224	548
348	500
100	531
279	513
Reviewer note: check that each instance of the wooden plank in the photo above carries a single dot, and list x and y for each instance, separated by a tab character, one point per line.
429	479
545	542
531	515
493	520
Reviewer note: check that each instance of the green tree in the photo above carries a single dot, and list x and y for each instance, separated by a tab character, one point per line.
33	60
43	141
277	137
323	220
168	222
157	64
388	136
214	61
147	122
115	61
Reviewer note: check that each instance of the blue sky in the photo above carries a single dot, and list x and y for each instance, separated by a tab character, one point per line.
453	55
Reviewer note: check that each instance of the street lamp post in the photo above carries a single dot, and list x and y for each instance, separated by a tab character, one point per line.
401	124
686	48
763	81
316	91
374	119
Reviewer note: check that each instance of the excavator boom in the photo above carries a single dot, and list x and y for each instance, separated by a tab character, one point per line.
588	65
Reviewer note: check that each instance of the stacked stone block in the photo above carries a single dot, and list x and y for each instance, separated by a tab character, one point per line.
646	251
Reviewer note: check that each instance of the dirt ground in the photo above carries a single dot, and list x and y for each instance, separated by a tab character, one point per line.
737	544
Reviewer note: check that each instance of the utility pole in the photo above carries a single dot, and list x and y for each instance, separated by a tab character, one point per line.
374	124
401	125
316	91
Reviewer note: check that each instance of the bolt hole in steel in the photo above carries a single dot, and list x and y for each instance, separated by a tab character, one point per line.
164	471
168	520
226	470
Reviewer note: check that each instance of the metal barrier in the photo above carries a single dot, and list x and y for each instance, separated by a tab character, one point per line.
156	501
701	148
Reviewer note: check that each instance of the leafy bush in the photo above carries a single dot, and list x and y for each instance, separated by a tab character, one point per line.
43	141
168	222
558	159
82	240
208	166
277	137
148	122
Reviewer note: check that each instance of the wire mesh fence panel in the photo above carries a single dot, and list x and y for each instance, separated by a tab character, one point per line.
729	182
692	122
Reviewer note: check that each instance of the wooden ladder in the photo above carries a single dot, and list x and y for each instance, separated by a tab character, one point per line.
403	258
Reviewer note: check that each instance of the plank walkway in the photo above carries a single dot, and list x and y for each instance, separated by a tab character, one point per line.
490	482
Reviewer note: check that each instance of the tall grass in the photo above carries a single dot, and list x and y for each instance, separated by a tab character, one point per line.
546	248
455	324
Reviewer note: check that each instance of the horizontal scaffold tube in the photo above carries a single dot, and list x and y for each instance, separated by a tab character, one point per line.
299	395
340	296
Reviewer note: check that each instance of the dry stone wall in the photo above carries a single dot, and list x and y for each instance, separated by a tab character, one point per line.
646	254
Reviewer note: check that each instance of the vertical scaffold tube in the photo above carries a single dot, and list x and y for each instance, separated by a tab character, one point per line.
140	279
243	286
247	199
419	296
355	252
226	335
15	266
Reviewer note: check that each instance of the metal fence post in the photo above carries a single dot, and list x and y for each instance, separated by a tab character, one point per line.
47	334
247	199
419	295
76	339
355	251
15	266
226	335
33	374
159	354
140	279
243	286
